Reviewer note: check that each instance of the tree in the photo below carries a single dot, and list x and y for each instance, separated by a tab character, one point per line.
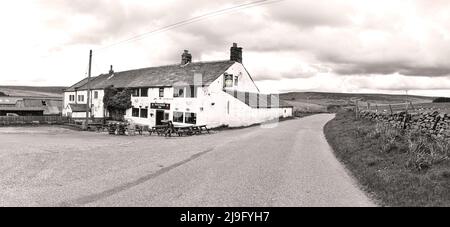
117	101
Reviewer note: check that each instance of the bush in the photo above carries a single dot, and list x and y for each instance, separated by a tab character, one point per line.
117	101
441	99
389	138
424	151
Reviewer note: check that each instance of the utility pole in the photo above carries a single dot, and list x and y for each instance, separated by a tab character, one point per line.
88	106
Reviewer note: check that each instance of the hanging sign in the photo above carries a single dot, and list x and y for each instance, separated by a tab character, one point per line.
160	106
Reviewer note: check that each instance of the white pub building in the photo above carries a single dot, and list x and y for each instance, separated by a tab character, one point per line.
217	93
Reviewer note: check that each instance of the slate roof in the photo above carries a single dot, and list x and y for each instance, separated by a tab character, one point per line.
52	107
6	100
20	108
161	76
78	107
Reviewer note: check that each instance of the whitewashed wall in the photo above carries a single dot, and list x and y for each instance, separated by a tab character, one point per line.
98	108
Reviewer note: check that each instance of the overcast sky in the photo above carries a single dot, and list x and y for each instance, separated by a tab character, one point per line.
291	45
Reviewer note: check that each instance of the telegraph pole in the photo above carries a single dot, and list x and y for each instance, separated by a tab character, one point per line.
88	100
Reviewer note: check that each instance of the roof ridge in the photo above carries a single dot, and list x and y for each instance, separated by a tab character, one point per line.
170	65
163	75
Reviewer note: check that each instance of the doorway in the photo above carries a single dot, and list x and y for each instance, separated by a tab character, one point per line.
159	117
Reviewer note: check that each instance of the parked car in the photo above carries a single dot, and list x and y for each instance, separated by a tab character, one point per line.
12	115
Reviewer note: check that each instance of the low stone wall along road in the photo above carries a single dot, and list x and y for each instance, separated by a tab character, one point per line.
287	165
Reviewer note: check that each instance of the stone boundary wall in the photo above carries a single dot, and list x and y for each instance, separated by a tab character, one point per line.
432	123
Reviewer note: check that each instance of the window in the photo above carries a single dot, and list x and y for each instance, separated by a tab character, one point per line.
161	92
178	92
228	80
135	92
95	94
80	98
236	81
135	112
144	113
191	118
166	116
178	117
191	92
71	98
144	92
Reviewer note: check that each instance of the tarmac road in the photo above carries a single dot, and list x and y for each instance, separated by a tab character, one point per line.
288	165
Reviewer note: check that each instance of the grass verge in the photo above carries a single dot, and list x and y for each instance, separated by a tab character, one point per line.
398	168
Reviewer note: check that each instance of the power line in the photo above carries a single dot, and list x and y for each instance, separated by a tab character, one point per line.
192	20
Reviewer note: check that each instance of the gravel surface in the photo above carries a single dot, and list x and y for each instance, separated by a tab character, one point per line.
287	165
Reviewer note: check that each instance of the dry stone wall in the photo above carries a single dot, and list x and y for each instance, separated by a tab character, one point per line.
433	123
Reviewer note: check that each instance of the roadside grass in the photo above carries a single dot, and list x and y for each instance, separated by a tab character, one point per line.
396	168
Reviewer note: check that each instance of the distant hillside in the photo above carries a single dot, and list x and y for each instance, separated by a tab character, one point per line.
319	101
29	91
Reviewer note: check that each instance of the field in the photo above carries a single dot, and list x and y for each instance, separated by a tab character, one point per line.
397	168
321	102
29	91
326	99
417	107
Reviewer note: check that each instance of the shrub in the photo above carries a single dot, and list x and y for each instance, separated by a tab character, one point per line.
441	99
424	151
389	138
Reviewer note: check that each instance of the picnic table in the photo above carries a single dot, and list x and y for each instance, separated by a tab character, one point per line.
167	129
189	130
96	126
159	129
183	130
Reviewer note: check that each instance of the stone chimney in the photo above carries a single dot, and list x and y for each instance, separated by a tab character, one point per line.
186	57
111	71
236	53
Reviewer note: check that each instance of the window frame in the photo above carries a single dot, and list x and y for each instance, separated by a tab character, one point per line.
191	115
135	92
142	93
80	98
175	117
133	112
177	94
161	92
142	115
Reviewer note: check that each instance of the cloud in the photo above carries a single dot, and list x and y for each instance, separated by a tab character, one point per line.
316	42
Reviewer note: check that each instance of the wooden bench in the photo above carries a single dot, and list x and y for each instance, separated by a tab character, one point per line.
203	128
96	126
183	130
199	129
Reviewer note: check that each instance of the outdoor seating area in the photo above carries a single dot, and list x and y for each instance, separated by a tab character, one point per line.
167	129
